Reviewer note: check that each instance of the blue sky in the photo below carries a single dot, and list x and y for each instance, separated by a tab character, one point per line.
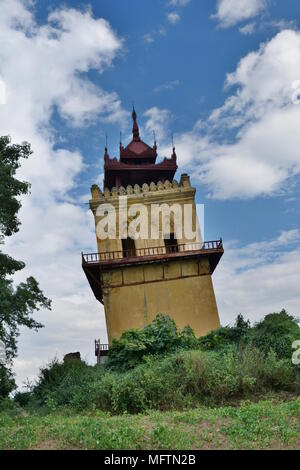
223	76
182	68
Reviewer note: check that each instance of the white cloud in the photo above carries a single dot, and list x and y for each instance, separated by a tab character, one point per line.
280	24
231	12
249	28
157	120
262	156
43	67
2	92
149	38
173	17
259	278
170	85
179	3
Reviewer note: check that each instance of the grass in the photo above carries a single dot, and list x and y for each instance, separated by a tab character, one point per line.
268	424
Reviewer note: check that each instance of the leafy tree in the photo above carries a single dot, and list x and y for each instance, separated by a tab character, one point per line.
226	336
158	338
277	331
17	303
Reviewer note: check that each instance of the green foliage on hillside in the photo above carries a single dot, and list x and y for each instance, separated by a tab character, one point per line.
226	337
181	380
162	368
276	331
158	338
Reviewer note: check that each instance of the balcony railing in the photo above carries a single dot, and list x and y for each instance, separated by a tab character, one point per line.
209	246
100	349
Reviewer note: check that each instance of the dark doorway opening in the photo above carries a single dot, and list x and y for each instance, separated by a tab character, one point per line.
171	244
128	247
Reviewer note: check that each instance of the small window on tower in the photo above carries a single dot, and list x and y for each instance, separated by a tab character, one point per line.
128	247
171	244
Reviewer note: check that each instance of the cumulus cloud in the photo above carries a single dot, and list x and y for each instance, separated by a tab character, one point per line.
170	85
43	67
179	3
262	118
231	12
2	92
249	28
157	120
259	278
149	38
173	17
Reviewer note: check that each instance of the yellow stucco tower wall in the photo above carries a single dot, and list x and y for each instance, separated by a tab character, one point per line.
181	288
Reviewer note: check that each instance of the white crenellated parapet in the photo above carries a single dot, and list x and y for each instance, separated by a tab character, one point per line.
167	185
129	190
137	189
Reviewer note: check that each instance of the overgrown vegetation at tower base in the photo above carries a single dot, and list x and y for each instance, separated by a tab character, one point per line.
165	389
182	380
159	368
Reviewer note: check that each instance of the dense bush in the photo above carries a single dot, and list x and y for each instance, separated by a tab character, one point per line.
226	337
182	379
160	367
276	331
63	383
160	337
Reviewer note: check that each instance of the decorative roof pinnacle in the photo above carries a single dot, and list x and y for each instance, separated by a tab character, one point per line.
135	127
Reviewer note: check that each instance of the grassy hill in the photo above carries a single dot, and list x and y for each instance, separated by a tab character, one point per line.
236	388
268	424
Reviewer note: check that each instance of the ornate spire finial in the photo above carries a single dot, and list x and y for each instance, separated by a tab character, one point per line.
121	146
135	128
154	138
106	152
173	147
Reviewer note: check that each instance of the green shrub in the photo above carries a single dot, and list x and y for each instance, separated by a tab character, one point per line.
8	406
66	383
156	368
23	398
190	378
176	381
158	338
226	337
276	331
279	373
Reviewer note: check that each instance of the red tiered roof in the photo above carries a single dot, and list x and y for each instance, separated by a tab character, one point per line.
137	164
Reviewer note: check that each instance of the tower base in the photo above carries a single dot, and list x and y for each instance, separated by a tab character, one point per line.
181	289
